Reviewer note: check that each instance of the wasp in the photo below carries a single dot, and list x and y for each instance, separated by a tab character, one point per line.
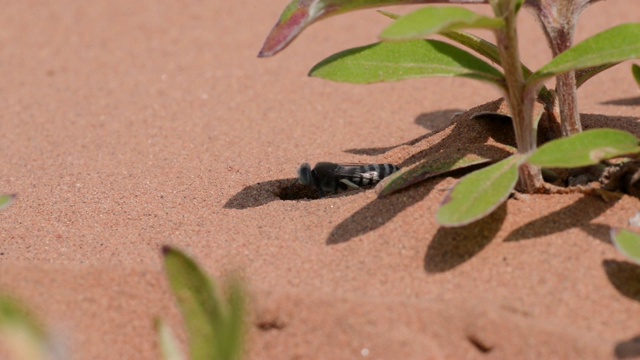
328	177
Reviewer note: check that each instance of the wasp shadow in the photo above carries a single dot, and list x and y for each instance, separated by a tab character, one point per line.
434	121
379	212
265	192
575	215
632	101
628	349
624	276
451	247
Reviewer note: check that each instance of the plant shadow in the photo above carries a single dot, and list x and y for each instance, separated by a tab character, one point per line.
451	247
624	276
575	215
632	101
379	212
628	349
435	122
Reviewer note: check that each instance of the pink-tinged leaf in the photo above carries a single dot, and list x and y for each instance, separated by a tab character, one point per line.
299	14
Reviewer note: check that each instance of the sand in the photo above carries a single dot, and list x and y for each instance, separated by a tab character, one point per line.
129	125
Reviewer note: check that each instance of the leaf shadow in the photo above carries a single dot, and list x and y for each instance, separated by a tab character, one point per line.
434	121
628	349
575	215
379	212
451	247
632	101
624	276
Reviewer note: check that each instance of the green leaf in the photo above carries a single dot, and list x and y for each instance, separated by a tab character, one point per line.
382	62
476	195
584	149
6	201
585	74
611	46
214	331
635	70
433	20
168	343
440	163
21	332
627	243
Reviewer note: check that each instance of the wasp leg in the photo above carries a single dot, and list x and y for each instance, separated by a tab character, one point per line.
349	184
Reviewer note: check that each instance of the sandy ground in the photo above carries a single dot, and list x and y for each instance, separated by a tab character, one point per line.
128	125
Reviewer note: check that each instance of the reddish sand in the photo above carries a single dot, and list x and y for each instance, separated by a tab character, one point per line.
133	124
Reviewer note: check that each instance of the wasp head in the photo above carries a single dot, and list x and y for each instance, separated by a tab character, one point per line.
304	174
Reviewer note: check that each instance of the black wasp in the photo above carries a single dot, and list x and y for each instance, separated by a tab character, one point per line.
329	177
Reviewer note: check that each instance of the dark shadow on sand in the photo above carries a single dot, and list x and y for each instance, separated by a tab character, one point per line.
624	276
576	215
451	247
433	121
379	212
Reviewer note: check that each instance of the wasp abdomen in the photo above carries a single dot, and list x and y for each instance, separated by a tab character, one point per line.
328	177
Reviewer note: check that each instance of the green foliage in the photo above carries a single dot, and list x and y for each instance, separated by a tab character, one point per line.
627	243
584	149
215	324
21	332
404	60
611	46
635	70
479	193
433	20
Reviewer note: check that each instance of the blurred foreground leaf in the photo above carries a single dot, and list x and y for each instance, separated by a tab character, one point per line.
6	201
215	325
479	193
168	343
584	149
20	331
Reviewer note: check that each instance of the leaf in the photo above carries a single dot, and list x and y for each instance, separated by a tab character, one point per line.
635	70
6	201
585	74
476	195
197	301
433	20
299	14
215	328
382	62
20	331
584	149
443	162
168	343
611	46
627	243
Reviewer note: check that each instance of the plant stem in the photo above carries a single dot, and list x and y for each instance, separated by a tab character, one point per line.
559	19
518	95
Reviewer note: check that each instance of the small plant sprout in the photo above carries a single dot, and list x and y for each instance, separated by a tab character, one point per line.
215	324
407	51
